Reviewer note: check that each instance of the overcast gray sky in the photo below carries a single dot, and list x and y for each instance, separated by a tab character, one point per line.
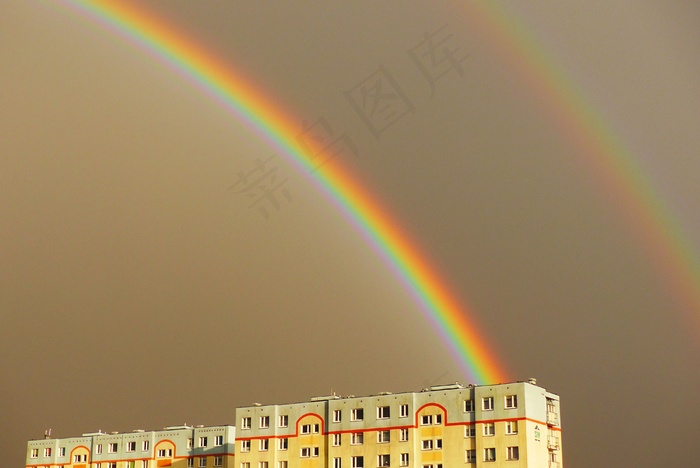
140	286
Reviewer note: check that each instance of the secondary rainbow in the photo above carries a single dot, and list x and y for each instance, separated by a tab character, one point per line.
250	104
650	220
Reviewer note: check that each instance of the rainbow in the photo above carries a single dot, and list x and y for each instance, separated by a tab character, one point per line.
250	104
649	219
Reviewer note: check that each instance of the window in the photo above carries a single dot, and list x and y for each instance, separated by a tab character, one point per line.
427	444
358	462
469	431
357	438
219	461
438	444
512	453
264	422
47	452
202	442
283	421
145	445
315	428
337	415
403	411
404	460
487	404
383	437
283	444
165	453
262	464
337	463
190	443
78	458
144	463
383	460
383	412
438	419
112	447
357	414
511	401
190	463
490	454
489	429
245	423
282	464
403	435
98	449
245	465
470	456
35	453
245	446
336	440
307	452
426	420
61	451
468	406
511	427
306	428
202	462
131	446
219	440
112	465
264	445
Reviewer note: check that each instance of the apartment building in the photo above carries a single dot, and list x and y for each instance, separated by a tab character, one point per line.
174	446
511	425
515	425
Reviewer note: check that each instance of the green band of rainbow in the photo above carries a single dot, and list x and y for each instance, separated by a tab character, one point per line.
650	220
450	318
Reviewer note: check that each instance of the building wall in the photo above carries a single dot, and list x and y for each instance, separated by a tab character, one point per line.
177	447
512	425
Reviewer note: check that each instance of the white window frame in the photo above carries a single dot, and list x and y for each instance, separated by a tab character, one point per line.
383	460
203	442
61	451
358	461
218	441
283	443
437	419
145	445
489	429
487	404
357	414
490	454
112	447
510	401
511	427
403	435
426	444
383	412
403	411
357	438
305	429
337	440
283	420
337	416
383	437
426	420
98	449
47	451
470	431
131	446
468	406
202	462
190	463
218	460
246	422
337	462
245	446
470	456
403	461
264	445
264	422
282	464
34	453
513	453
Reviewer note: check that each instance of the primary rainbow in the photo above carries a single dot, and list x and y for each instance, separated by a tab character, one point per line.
228	86
650	220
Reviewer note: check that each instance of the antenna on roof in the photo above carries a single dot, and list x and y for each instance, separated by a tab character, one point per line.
47	434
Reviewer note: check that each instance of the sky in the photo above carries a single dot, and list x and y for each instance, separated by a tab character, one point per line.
144	284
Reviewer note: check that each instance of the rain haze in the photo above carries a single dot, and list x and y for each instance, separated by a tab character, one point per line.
145	283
